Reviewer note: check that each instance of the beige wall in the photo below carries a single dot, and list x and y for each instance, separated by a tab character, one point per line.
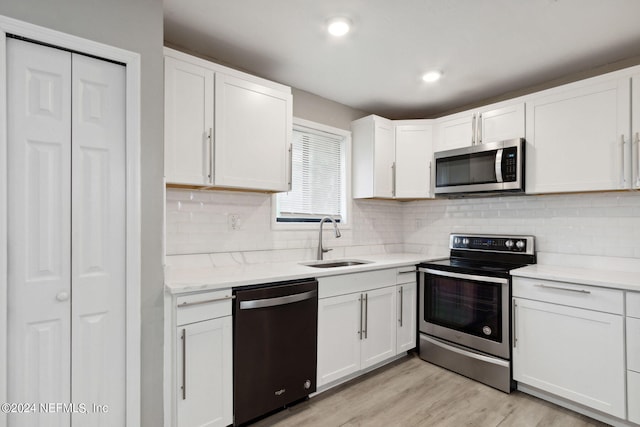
134	25
321	110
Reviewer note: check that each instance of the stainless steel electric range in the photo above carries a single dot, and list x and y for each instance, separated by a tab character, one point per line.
465	306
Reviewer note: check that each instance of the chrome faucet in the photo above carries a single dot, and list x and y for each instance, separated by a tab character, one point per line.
321	250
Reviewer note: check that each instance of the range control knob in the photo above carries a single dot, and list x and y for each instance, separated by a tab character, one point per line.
465	241
456	241
509	244
520	244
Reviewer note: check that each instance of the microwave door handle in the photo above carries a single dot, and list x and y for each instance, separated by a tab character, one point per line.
499	165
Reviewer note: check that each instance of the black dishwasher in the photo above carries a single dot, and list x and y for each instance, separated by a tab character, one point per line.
274	346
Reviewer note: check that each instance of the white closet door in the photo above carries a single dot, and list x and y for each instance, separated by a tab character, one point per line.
39	174
98	240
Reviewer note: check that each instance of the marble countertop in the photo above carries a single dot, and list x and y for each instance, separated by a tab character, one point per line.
185	279
607	272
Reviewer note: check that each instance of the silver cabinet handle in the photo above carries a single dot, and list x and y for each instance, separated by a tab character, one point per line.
184	364
513	330
498	165
188	304
623	180
393	179
366	313
407	271
211	154
401	305
272	302
479	129
580	291
361	299
290	182
473	129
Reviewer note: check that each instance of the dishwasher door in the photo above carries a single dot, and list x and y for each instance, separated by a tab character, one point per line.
275	347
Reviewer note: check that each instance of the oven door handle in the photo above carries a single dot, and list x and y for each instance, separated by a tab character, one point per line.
478	278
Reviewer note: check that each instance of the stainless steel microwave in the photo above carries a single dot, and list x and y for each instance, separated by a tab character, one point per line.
494	167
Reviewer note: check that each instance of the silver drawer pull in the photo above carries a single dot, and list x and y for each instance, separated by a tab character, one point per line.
188	304
407	272
272	302
580	291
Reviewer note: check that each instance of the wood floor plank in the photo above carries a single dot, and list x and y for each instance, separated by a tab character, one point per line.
412	392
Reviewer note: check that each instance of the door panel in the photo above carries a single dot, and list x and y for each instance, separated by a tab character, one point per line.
98	237
39	113
380	324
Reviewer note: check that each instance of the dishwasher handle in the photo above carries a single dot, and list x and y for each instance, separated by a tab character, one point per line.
272	302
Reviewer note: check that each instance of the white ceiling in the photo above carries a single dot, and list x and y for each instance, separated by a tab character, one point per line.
485	48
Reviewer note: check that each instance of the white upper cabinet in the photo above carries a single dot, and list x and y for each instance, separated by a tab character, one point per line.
224	128
635	131
391	158
578	137
414	153
496	122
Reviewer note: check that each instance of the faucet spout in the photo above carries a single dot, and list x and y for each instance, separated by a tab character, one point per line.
322	250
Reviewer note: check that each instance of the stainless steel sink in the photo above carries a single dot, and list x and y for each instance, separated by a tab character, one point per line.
335	263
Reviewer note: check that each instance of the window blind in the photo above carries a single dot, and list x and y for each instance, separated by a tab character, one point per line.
317	177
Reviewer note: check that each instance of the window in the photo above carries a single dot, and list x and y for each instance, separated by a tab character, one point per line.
318	175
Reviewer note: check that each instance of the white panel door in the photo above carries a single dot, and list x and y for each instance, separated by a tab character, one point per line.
635	131
577	138
204	361
252	135
407	320
379	341
414	151
188	123
39	196
98	239
454	131
570	352
339	325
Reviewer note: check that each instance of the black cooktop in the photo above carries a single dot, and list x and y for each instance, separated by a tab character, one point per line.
486	255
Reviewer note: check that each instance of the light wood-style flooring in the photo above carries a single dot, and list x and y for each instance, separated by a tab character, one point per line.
411	392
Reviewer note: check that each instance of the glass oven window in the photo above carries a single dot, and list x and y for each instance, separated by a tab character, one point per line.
469	306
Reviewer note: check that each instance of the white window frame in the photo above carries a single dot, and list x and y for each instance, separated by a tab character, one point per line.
345	222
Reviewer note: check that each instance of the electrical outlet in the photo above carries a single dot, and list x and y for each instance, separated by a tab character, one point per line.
233	221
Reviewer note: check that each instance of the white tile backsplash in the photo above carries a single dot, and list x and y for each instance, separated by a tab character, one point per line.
599	224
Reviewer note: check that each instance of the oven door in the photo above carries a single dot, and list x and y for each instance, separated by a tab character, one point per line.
469	310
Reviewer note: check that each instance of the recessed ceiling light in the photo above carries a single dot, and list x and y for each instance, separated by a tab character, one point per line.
431	76
338	26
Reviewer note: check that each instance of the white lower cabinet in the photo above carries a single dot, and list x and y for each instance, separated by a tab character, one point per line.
358	318
406	296
569	341
633	356
203	361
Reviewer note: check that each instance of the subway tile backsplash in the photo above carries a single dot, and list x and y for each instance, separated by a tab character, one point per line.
604	224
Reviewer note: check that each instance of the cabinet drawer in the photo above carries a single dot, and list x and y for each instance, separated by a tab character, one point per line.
571	294
406	274
633	304
203	306
633	396
356	282
633	344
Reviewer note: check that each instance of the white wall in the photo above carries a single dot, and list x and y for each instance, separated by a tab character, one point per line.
135	25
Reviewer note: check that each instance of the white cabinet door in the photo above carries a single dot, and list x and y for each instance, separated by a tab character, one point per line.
204	373
67	238
454	131
188	123
407	321
379	330
576	138
501	123
633	396
635	131
633	344
253	134
414	153
339	326
373	158
570	352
